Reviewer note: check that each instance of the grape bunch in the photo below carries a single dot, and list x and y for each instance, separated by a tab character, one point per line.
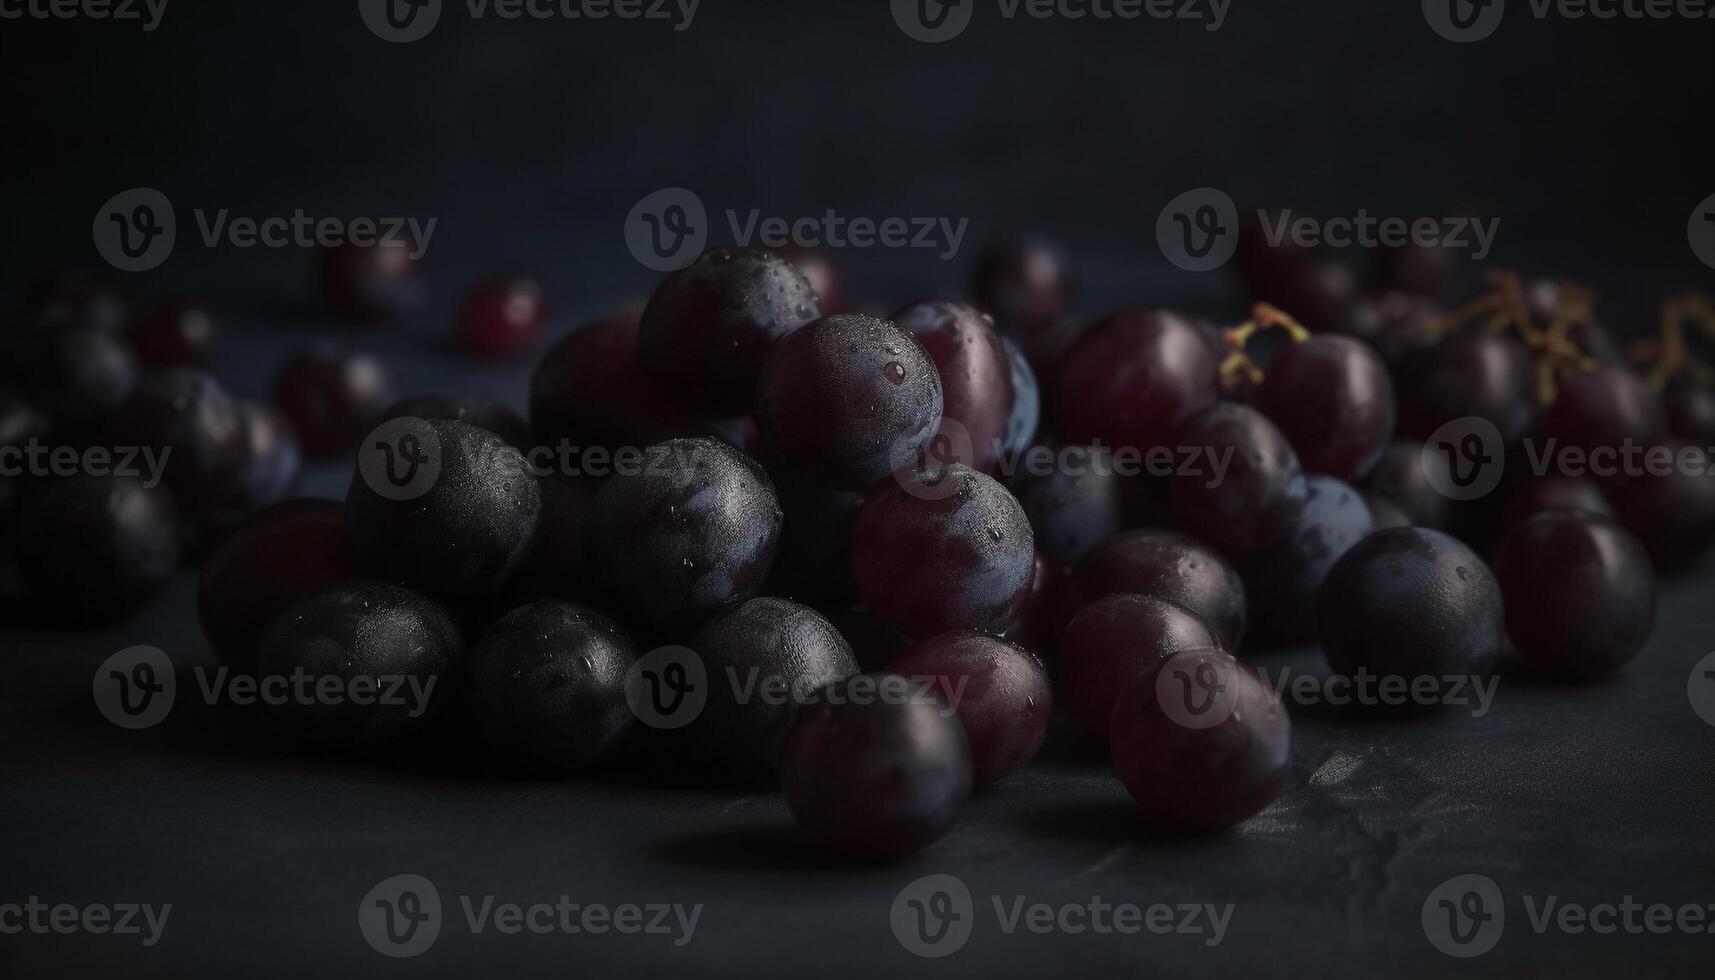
878	555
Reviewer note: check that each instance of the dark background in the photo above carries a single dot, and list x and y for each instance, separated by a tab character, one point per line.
531	142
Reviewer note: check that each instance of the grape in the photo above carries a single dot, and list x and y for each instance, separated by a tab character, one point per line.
1168	565
943	551
1113	639
1255	501
976	378
1579	592
1332	399
255	573
1134	379
589	389
1282	580
1000	693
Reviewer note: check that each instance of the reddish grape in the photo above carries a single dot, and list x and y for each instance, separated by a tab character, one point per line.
1114	638
1557	491
941	551
1282	580
332	395
1485	375
178	333
1605	409
1134	379
263	566
1079	503
1579	593
1254	501
976	379
1399	477
1000	694
502	318
1671	511
371	282
1168	565
1333	400
1023	282
876	767
1201	742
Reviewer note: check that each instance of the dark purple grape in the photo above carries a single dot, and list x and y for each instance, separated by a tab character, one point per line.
1332	399
547	685
1579	593
478	410
1400	478
976	378
77	373
92	549
1605	409
709	326
1167	565
1317	290
1690	410
762	658
1253	502
1079	503
362	639
1414	604
462	522
258	570
813	563
1673	511
1557	491
1384	513
265	471
1023	282
1000	693
1134	379
203	434
848	399
1113	639
1026	416
824	275
691	529
332	395
179	333
943	551
371	282
590	390
1201	742
502	318
1485	375
1282	580
875	768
